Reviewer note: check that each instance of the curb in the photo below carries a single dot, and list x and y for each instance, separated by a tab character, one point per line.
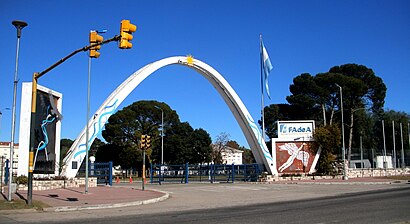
18	211
340	183
103	206
337	182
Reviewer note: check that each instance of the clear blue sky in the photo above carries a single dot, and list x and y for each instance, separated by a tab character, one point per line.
300	36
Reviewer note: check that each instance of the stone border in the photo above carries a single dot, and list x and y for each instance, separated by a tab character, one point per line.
42	185
352	173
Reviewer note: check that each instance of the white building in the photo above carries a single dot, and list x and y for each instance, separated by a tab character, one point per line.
231	155
5	154
5	150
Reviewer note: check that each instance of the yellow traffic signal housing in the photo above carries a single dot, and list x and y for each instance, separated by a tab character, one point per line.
94	39
148	139
143	141
126	30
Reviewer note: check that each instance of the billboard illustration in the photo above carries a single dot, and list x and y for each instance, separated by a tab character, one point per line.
46	118
295	157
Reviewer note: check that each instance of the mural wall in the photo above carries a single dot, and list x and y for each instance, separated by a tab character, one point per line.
293	157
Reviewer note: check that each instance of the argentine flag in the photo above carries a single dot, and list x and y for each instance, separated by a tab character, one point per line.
267	67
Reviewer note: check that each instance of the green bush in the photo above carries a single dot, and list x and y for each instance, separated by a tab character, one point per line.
328	138
22	180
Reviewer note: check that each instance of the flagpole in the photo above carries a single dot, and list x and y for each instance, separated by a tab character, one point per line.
262	101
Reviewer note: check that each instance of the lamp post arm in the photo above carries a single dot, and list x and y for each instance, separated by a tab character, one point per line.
36	76
86	48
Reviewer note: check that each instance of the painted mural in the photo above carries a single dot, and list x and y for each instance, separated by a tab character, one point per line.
293	157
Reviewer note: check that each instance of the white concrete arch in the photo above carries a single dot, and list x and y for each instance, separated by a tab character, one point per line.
76	153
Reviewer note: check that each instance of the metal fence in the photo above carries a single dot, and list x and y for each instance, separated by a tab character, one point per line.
101	170
186	173
375	158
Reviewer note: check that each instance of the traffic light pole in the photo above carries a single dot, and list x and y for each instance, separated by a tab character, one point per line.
143	170
36	76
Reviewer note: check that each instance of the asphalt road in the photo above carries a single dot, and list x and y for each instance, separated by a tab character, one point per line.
389	205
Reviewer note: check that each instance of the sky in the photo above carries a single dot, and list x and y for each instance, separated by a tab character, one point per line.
308	36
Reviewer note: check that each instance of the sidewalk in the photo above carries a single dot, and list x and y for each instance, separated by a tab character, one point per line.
71	199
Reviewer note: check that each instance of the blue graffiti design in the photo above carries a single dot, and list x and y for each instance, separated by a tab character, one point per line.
44	124
110	110
259	136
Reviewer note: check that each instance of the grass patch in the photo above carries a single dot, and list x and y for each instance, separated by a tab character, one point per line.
21	204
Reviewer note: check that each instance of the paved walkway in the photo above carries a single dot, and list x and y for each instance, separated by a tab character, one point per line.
70	199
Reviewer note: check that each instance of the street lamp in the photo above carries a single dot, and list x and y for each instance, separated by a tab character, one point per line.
162	135
19	26
343	133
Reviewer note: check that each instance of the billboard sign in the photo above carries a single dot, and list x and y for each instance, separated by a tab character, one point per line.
46	119
47	130
296	129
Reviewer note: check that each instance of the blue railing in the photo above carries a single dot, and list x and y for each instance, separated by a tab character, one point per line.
186	173
101	170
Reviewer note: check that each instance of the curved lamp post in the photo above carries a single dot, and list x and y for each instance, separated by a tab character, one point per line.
19	26
345	177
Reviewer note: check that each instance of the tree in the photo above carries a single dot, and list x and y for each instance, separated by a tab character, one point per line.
65	145
201	144
232	144
328	139
375	88
307	95
181	142
97	143
184	144
362	89
247	156
398	118
125	127
219	145
108	152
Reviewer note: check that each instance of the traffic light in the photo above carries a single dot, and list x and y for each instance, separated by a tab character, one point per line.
95	38
148	140
143	142
126	29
